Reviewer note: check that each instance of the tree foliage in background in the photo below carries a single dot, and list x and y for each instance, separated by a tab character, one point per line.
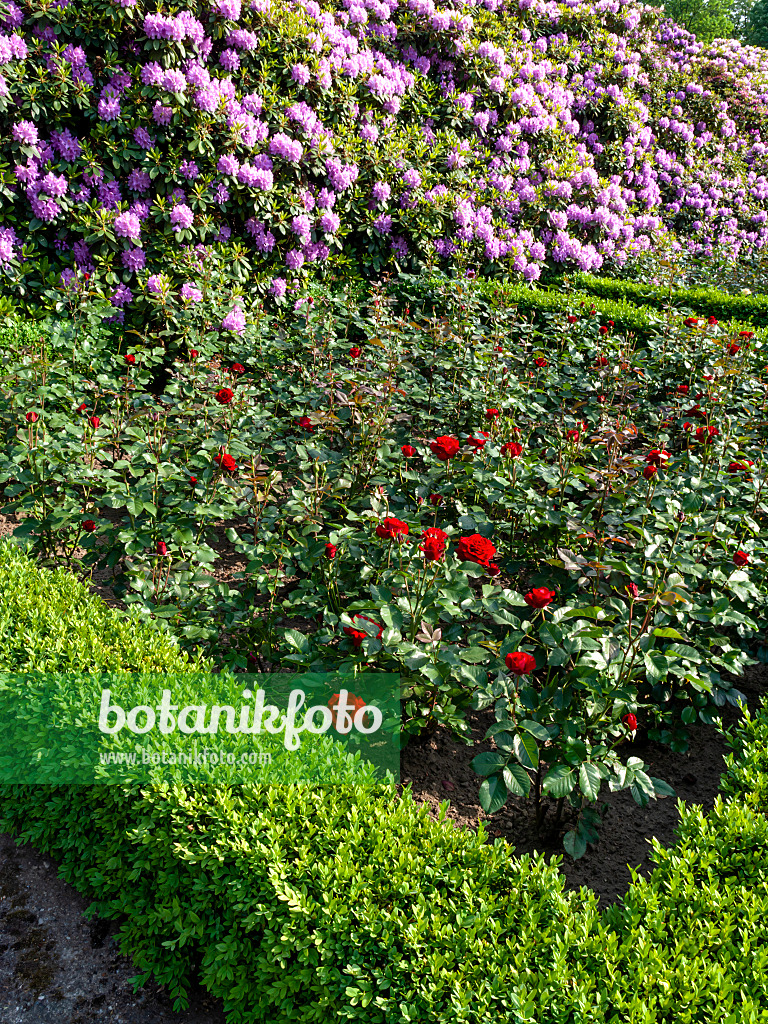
706	19
756	32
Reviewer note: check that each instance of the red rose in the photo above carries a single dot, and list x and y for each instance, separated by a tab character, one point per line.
359	635
632	590
706	434
539	597
741	558
603	330
520	663
630	721
391	528
573	435
131	360
330	550
226	462
305	422
479	441
601	361
31	417
89	526
193	480
649	472
690	321
491	414
746	334
713	321
95	421
610	323
657	456
696	411
354	352
237	368
162	548
435	499
434	543
733	348
479	550
444	447
512	448
571	319
408	451
356	702
683	389
193	353
541	362
224	396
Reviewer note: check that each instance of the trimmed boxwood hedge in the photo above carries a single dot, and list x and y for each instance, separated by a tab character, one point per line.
704	301
302	904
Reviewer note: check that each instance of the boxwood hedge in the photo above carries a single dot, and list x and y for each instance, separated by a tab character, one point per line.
299	904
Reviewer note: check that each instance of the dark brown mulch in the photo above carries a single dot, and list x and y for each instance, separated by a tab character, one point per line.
438	769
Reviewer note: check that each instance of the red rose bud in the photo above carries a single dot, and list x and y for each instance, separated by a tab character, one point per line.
603	330
746	334
690	321
193	353
408	451
81	408
305	422
733	348
539	597
224	396
520	663
237	368
391	528
630	721
31	417
193	480
741	558
683	389
355	352
572	319
601	361
512	448
573	435
632	590
610	323
130	360
649	472
95	421
444	448
330	550
491	414
541	362
713	321
434	544
89	526
161	548
435	499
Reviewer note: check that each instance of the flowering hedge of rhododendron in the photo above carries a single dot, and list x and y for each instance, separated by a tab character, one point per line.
562	524
518	135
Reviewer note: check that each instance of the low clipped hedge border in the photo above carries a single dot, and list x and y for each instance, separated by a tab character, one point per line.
297	904
540	306
705	301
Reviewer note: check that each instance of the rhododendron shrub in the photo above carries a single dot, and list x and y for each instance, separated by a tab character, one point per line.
515	134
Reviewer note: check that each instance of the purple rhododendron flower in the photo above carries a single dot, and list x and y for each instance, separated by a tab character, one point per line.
234	321
190	293
182	217
127	225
